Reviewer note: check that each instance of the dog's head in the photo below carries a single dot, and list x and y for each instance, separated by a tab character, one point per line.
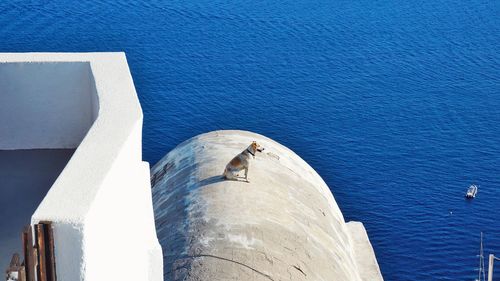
256	147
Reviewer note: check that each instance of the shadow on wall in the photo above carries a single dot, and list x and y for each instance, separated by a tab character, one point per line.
26	176
46	105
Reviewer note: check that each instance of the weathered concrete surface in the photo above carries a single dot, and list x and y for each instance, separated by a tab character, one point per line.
283	225
363	252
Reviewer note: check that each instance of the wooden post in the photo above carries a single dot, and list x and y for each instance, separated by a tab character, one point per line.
46	270
39	256
29	254
40	244
51	258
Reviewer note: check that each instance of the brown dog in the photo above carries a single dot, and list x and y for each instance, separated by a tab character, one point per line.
241	162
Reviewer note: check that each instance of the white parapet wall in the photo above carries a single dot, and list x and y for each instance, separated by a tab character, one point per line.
282	225
100	205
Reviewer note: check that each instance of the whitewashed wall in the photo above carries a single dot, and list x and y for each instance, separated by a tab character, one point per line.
101	203
46	105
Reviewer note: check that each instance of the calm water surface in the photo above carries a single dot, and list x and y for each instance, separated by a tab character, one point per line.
395	104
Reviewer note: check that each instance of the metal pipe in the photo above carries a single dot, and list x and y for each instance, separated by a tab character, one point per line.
490	267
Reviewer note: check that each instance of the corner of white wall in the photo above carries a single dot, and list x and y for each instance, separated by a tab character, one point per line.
100	205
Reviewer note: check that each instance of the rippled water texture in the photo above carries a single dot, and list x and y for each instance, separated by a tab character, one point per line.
394	103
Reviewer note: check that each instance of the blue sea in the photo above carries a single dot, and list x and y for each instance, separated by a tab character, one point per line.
396	104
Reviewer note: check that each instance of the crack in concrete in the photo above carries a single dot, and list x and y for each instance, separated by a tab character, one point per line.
236	262
298	268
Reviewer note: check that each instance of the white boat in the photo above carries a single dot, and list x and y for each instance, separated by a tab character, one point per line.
471	191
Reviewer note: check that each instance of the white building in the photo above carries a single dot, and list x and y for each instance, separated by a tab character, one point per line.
100	205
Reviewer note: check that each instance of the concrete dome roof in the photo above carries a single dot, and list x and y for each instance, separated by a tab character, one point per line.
283	225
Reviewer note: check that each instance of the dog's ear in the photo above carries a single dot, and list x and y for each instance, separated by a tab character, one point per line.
254	144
